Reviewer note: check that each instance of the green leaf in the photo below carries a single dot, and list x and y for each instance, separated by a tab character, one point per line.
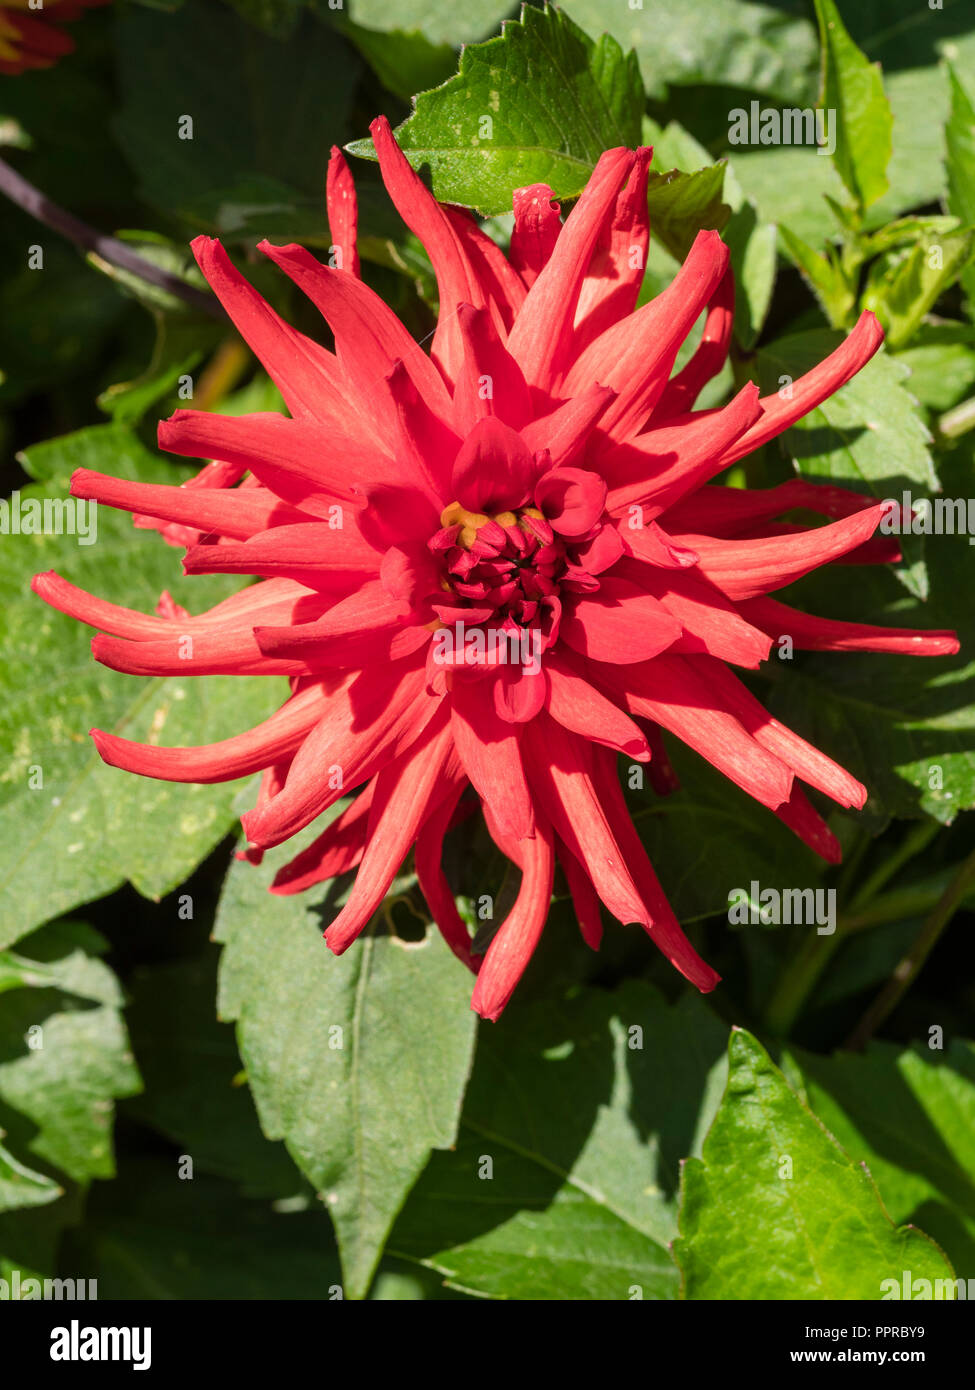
681	205
774	1209
789	185
73	160
563	1181
852	93
905	232
900	724
153	1234
726	43
53	322
13	135
751	241
183	334
539	104
72	829
754	261
64	1055
165	255
17	972
824	276
275	17
22	1187
919	104
910	1116
440	21
941	359
526	1241
960	161
178	349
191	1070
405	63
358	1063
868	435
269	106
960	146
864	961
901	293
30	1237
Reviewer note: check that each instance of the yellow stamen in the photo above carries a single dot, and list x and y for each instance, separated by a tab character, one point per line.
470	523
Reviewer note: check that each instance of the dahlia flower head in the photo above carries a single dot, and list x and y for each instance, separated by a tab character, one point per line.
489	570
32	37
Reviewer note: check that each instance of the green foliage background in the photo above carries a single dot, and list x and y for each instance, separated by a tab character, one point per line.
614	1136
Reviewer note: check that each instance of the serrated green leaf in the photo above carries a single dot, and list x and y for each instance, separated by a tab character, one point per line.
563	1180
360	1108
910	1116
941	359
852	88
774	1208
539	104
868	434
82	828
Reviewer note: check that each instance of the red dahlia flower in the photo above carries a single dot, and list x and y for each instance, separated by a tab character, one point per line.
495	566
31	37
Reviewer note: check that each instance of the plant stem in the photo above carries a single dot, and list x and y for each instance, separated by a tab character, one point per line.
803	971
913	843
909	966
959	420
797	981
228	365
20	191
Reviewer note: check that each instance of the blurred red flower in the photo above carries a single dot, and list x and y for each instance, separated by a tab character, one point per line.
31	37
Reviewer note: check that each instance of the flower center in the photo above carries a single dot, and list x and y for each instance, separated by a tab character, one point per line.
506	568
